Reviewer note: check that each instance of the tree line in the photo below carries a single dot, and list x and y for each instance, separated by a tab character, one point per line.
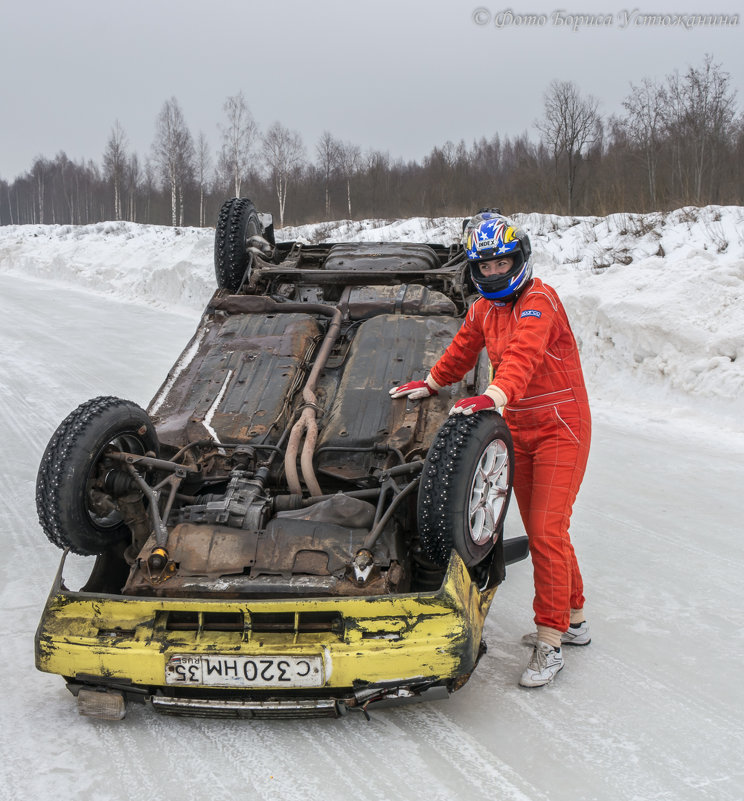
679	141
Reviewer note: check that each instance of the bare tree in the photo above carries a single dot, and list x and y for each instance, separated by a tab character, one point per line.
114	163
173	150
350	159
570	125
284	153
644	123
203	166
39	174
133	177
377	174
700	116
328	151
238	138
10	203
65	167
148	185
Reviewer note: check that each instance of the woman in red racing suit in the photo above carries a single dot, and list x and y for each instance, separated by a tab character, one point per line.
538	379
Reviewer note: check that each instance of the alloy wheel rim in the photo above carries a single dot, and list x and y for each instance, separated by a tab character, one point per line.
488	492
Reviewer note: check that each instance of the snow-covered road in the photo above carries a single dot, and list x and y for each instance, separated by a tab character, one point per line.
651	710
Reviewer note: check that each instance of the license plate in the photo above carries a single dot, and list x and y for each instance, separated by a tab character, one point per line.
219	670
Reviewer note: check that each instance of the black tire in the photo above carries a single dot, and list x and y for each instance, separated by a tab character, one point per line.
74	459
452	512
238	221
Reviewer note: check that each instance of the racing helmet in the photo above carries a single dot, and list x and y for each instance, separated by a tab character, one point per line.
488	236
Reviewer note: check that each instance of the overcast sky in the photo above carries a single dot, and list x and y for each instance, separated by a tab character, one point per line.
397	76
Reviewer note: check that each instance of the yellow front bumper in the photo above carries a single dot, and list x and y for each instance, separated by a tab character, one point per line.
110	640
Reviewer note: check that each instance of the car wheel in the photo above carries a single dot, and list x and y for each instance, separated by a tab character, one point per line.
237	223
465	488
74	508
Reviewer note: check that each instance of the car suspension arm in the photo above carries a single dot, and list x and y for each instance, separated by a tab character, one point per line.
161	532
371	538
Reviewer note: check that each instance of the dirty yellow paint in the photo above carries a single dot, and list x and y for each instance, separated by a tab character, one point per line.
429	635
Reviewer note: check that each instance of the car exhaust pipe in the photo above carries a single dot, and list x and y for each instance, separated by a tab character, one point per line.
307	424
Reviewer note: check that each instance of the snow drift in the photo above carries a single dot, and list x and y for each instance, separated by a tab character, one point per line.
654	299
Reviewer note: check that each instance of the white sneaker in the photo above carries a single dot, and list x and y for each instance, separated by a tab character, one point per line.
544	663
576	635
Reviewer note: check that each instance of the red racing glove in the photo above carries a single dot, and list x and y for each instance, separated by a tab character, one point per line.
416	389
489	401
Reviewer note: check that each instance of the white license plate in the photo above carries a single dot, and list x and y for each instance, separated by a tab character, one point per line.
221	670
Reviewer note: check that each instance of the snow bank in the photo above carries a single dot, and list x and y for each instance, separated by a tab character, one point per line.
157	265
655	300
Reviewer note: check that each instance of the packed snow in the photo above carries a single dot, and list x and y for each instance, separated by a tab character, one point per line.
651	710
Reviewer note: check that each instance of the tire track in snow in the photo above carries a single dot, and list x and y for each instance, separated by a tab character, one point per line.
479	771
311	759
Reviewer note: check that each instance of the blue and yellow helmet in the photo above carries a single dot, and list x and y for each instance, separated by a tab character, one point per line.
491	236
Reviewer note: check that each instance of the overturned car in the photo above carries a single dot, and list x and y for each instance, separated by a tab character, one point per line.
275	536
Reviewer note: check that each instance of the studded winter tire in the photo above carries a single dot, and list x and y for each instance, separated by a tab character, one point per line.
237	223
73	507
465	488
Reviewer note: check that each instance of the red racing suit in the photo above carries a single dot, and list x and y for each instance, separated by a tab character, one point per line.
536	365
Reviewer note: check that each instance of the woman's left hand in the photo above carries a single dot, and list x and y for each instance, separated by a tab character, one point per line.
490	401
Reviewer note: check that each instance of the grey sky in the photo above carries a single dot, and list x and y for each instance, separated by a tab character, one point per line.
397	76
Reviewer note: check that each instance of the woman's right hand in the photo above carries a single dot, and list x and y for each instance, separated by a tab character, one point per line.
415	389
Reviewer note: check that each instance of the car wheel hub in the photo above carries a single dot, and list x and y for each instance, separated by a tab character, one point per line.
488	492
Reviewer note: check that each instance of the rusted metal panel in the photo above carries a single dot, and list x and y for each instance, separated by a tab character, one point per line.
291	553
381	257
308	547
211	550
387	350
367	301
238	379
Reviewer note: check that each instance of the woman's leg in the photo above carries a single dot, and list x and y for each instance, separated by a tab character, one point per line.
551	449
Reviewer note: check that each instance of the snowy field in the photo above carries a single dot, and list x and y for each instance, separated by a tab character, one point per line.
651	710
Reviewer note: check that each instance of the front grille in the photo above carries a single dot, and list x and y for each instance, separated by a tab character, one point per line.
205	621
257	622
296	622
